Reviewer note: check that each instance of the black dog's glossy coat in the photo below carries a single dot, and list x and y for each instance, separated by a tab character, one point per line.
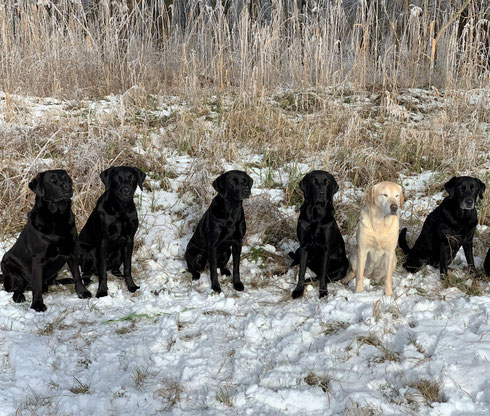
107	239
451	225
486	264
47	242
220	231
322	247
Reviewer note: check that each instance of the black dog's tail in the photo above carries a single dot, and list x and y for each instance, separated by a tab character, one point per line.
402	241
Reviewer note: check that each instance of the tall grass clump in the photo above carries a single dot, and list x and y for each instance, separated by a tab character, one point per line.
75	48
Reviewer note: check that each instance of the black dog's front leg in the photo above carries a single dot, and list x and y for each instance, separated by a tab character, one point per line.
213	267
298	292
323	274
37	286
470	259
236	251
101	254
443	258
80	288
127	255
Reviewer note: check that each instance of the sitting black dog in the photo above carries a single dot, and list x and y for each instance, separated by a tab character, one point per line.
47	242
451	225
322	247
486	264
107	239
220	231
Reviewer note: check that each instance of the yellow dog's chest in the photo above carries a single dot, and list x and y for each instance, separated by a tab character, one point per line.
380	235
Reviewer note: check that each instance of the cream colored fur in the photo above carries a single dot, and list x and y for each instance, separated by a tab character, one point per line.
377	236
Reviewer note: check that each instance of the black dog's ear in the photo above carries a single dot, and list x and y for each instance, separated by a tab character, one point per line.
219	184
450	186
105	177
36	185
303	184
250	181
481	189
141	176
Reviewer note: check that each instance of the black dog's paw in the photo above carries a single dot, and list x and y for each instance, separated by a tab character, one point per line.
298	292
216	288
225	272
84	294
238	286
39	306
323	293
477	274
18	297
133	288
101	293
196	275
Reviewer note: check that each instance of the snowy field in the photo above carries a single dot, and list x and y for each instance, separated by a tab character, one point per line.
175	347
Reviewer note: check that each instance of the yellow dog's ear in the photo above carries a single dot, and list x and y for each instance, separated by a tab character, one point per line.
369	195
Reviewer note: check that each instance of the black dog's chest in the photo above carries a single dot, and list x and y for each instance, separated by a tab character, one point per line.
317	232
120	227
61	246
232	232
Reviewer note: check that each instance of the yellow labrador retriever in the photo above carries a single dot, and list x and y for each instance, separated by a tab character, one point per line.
377	236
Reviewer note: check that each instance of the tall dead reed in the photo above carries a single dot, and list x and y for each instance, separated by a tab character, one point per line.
62	48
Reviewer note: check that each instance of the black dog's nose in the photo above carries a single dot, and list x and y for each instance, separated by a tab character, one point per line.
393	207
66	186
469	201
126	191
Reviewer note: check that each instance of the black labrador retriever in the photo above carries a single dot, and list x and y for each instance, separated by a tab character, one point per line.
220	231
322	247
486	264
107	239
451	225
47	242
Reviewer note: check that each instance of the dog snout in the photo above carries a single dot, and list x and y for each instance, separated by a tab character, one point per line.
469	202
126	191
66	186
246	192
394	208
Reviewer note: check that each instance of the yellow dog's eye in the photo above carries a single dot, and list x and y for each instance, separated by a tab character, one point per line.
385	195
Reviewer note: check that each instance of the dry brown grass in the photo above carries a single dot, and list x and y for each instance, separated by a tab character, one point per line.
218	129
430	391
63	51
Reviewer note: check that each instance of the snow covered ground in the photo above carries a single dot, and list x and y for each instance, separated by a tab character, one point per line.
175	347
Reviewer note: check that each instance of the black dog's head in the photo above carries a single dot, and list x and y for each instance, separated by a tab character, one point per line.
122	181
319	186
465	190
52	185
233	185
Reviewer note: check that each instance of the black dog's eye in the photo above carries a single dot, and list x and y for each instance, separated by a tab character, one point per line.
325	181
52	179
119	178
